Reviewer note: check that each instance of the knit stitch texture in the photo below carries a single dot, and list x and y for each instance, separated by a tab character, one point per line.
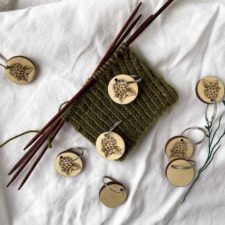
95	113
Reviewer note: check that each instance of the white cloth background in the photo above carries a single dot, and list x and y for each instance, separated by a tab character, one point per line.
67	39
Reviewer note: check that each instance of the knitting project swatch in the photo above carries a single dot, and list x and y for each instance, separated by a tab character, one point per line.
95	113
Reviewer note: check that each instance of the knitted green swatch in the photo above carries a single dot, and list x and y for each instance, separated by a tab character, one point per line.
95	113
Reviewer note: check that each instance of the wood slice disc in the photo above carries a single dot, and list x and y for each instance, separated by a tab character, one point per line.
113	194
179	147
20	70
210	89
177	176
68	164
121	92
110	146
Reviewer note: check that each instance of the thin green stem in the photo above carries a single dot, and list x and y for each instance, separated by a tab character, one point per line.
14	137
212	150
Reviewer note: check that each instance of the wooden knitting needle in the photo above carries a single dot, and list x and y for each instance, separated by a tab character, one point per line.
23	164
147	22
130	40
124	36
33	150
41	155
79	93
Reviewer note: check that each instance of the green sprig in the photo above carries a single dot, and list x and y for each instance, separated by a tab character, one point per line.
213	147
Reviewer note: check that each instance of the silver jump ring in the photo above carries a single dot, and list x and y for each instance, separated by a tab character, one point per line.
196	128
4	59
193	164
114	126
80	152
213	115
107	186
3	66
135	81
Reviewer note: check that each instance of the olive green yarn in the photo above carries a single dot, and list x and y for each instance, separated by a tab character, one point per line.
95	113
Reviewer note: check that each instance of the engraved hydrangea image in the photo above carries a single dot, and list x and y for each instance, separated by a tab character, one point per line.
179	149
122	89
20	72
68	164
109	146
211	90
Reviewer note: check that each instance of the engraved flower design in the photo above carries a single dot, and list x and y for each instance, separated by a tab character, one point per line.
179	149
20	72
122	90
109	146
211	90
68	164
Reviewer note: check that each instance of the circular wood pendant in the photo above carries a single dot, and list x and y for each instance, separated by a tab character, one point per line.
110	146
113	194
210	89
180	172
68	164
179	147
123	89
20	70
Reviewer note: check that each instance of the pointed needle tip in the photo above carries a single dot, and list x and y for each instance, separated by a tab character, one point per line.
20	187
8	184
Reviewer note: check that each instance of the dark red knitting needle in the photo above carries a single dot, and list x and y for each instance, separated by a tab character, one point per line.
129	29
147	22
30	153
92	80
41	155
39	142
105	57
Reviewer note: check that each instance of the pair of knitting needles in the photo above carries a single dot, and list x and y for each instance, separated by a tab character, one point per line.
51	129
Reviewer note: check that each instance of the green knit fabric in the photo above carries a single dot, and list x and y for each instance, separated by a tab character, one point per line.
94	112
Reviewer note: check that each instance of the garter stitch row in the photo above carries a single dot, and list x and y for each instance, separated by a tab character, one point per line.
94	112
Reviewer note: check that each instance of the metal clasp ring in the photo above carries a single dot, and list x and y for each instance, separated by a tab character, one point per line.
196	128
106	184
184	167
114	126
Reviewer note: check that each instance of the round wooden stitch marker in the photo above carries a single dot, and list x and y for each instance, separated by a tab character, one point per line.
69	163
180	172
123	89
19	69
179	147
210	89
112	194
110	145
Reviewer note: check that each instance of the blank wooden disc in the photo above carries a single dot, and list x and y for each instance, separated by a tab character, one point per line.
180	177
21	70
179	147
110	146
113	195
68	164
121	92
210	89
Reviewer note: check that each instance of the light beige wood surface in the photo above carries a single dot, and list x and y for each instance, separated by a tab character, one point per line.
110	147
179	147
68	164
180	177
21	70
210	89
113	195
128	93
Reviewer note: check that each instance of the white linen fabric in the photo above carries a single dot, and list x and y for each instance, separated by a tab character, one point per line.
67	39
